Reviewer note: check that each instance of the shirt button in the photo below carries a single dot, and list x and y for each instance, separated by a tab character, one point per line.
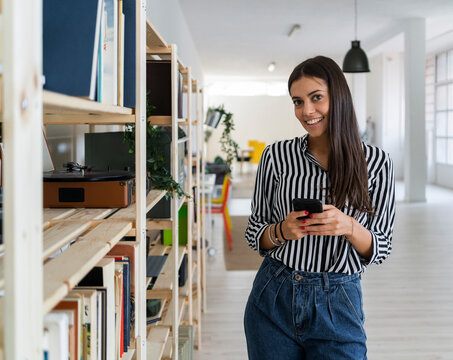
298	277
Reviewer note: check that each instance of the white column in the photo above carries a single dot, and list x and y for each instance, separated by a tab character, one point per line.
415	148
359	98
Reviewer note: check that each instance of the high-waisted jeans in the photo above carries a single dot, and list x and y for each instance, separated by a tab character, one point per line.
305	316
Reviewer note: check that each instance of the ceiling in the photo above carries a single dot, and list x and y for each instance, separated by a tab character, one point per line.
241	37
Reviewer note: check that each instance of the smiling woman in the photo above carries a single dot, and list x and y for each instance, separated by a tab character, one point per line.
309	282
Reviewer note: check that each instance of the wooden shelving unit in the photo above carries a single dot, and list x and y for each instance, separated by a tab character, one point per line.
180	301
33	280
33	235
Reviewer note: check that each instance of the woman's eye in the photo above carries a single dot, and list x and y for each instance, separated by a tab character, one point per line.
297	102
317	97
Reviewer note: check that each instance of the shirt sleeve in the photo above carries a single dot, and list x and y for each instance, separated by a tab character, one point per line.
261	203
381	225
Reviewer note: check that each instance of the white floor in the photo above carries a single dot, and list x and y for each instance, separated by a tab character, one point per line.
408	300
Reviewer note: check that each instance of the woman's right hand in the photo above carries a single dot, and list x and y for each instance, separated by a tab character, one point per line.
292	227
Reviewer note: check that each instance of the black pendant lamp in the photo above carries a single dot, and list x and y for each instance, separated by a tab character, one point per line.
355	60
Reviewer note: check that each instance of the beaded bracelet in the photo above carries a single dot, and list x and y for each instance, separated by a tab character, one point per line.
275	233
270	237
281	231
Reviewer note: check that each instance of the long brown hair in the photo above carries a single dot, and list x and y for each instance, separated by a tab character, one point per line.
347	166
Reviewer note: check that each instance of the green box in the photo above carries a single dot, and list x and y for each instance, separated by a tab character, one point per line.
168	234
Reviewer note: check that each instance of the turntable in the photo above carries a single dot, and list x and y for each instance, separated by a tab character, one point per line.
80	187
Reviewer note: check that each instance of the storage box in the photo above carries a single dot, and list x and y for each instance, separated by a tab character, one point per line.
168	234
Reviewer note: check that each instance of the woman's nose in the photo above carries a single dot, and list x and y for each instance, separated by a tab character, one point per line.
308	108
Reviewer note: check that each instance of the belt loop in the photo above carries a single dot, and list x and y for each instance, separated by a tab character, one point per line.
280	270
326	281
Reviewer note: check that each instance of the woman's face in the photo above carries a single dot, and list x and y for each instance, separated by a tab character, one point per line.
310	96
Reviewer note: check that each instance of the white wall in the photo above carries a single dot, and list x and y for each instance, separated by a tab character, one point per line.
169	21
262	118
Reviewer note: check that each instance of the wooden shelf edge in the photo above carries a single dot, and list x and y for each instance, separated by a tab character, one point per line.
153	38
64	271
156	342
55	103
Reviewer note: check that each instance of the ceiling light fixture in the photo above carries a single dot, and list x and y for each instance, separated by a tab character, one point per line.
293	30
271	67
355	60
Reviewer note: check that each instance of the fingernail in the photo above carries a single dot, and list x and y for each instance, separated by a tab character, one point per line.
306	212
311	216
308	232
304	221
302	227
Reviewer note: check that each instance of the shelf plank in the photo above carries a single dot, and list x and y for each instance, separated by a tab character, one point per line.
89	119
55	103
129	355
64	271
158	250
162	224
160	120
156	341
57	213
61	234
153	38
164	282
129	213
168	319
91	214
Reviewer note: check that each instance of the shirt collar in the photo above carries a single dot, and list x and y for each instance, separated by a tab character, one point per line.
304	143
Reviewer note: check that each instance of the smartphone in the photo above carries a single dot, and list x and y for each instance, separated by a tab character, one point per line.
310	205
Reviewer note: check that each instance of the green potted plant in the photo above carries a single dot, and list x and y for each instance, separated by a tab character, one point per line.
160	177
227	145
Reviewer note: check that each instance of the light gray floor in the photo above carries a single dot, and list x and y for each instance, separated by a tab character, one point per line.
408	300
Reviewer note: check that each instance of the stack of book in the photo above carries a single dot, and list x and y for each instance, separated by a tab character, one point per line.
89	49
95	320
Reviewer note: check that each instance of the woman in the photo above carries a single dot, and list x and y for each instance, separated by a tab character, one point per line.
306	301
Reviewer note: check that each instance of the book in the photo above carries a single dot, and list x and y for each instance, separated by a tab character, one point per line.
56	330
102	275
129	10
90	321
109	82
70	46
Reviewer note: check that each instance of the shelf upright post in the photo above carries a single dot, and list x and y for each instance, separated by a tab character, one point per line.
22	188
175	199
140	175
190	200
200	189
203	242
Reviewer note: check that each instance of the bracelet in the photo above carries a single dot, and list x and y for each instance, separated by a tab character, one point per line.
281	231
275	234
270	237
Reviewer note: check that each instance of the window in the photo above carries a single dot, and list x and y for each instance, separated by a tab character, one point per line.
444	108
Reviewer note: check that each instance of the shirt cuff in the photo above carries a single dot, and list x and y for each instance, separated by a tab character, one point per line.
374	254
259	233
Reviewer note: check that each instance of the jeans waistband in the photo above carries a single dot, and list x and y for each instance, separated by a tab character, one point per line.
312	278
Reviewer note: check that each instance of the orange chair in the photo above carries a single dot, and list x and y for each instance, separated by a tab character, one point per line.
220	206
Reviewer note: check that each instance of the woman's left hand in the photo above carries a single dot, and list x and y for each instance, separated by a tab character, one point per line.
331	222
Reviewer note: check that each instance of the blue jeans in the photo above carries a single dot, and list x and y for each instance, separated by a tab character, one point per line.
301	315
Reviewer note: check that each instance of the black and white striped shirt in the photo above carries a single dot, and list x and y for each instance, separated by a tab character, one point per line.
288	170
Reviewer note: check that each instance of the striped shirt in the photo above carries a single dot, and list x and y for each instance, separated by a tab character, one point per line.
288	170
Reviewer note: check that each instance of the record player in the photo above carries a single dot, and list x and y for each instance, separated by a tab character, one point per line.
80	187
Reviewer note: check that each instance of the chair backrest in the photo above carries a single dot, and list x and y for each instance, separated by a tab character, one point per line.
257	152
225	189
